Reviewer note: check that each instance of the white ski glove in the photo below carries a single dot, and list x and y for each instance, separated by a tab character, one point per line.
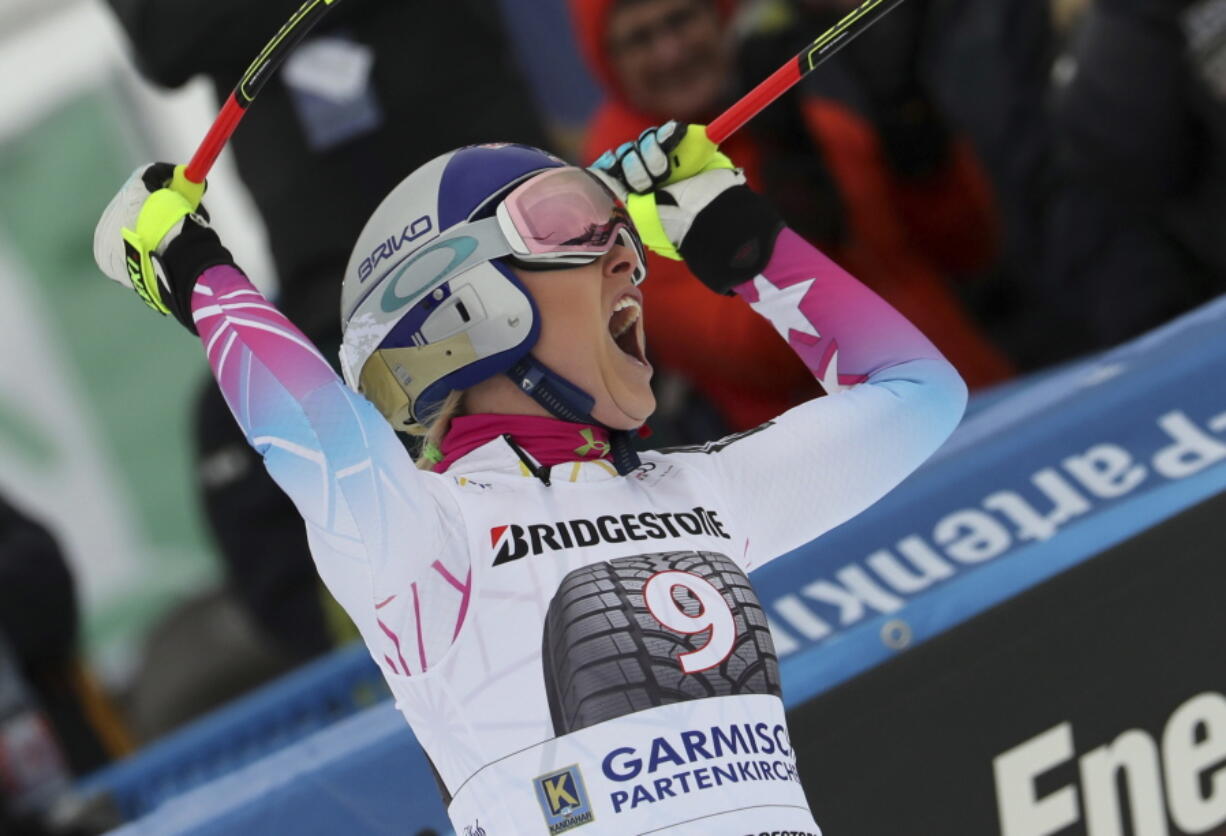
156	241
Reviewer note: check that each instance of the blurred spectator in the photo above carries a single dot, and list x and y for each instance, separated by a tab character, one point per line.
39	623
564	90
197	657
989	63
54	722
1135	231
327	140
858	159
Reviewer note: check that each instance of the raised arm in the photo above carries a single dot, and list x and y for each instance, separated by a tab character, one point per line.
892	398
378	527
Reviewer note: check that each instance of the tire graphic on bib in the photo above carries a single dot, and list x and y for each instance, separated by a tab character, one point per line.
621	635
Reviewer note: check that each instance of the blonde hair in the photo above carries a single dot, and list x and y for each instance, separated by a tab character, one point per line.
435	427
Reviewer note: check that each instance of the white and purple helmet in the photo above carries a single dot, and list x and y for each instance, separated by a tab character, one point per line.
427	306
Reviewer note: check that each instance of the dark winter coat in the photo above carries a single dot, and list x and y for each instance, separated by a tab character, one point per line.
39	622
1136	233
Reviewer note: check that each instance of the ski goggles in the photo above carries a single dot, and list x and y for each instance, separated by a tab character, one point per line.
566	216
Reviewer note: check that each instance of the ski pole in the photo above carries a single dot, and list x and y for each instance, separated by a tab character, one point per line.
783	79
248	87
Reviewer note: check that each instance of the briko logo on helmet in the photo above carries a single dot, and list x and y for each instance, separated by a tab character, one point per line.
394	244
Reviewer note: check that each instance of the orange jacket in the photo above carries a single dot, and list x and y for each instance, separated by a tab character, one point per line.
903	236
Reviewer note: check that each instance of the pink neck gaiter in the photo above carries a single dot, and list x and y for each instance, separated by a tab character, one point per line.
548	440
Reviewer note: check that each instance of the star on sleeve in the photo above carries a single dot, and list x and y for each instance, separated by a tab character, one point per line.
781	306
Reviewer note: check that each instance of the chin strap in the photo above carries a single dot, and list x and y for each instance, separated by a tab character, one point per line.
625	457
564	400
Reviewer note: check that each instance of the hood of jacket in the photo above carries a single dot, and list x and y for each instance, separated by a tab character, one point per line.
590	18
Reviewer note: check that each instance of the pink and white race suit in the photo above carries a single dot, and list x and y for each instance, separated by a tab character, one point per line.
584	651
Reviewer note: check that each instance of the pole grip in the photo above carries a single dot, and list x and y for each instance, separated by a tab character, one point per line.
694	154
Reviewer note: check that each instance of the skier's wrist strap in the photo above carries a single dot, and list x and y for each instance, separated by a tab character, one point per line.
194	250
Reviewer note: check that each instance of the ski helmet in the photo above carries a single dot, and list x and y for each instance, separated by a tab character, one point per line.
429	304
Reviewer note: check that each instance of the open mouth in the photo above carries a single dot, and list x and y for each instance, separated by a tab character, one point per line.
626	330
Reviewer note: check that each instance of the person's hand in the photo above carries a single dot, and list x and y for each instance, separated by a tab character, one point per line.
667	177
688	202
661	156
156	239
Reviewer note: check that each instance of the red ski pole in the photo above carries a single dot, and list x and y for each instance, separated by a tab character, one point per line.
782	80
249	86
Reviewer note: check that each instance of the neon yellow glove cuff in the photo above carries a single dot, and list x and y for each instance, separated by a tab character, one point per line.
159	214
646	217
693	155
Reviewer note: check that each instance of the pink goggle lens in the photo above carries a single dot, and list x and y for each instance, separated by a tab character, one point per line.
567	211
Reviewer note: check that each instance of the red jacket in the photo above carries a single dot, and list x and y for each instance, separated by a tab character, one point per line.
904	235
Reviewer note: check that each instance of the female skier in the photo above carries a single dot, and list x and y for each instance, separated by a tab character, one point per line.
567	627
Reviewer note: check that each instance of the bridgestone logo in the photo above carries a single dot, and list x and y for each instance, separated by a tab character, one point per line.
515	541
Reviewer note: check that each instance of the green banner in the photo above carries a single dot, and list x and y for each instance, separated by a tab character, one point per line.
95	390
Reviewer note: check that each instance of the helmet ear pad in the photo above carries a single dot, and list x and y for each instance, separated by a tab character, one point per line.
500	342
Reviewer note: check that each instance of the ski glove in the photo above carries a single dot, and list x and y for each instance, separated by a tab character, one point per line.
154	237
689	203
